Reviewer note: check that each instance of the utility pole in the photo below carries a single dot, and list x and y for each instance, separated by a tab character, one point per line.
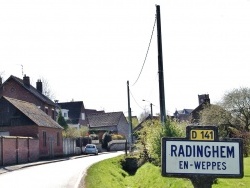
160	67
151	107
129	119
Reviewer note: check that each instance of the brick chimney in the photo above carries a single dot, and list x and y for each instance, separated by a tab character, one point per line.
204	99
39	86
26	80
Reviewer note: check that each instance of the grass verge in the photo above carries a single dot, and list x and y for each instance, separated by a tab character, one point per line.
109	174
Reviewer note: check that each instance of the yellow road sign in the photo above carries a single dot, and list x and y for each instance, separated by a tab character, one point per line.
202	134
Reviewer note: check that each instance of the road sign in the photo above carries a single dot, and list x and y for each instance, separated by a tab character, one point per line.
185	158
203	133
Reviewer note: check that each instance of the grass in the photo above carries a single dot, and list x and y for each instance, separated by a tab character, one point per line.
109	174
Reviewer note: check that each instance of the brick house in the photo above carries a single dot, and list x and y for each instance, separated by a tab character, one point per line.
115	122
21	89
20	118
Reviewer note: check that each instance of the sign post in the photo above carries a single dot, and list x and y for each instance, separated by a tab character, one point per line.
202	157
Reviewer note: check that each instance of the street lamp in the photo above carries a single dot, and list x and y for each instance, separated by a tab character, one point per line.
151	107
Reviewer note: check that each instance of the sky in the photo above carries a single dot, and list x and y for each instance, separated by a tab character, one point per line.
87	50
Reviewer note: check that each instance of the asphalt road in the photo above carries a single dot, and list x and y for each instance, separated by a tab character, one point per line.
57	174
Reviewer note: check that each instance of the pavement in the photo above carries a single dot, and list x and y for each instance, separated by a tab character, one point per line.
6	169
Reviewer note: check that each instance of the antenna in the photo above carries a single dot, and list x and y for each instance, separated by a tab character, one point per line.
22	69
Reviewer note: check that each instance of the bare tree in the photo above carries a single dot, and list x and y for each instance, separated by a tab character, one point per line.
46	89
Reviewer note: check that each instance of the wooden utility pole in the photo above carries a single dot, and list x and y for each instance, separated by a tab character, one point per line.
160	66
129	118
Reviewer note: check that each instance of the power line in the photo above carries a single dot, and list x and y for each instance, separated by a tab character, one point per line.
146	53
135	99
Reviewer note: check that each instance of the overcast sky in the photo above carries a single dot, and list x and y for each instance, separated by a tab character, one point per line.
88	50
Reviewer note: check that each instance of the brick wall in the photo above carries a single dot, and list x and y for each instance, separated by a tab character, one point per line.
17	150
53	146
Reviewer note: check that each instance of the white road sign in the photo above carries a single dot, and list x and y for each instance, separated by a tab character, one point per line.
202	157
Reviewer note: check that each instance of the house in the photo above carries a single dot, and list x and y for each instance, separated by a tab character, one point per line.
21	118
203	101
74	113
183	115
21	89
192	115
114	122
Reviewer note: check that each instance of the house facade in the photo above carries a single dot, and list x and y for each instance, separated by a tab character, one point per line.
114	122
22	89
74	113
20	118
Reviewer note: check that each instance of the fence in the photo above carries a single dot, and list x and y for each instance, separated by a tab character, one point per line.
17	150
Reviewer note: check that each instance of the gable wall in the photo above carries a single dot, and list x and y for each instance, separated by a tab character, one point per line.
14	90
123	127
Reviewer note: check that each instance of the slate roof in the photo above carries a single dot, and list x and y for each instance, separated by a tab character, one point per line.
74	110
36	115
33	90
104	119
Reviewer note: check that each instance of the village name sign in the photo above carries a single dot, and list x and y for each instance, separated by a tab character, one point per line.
202	156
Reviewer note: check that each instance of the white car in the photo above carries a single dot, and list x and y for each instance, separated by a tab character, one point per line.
90	149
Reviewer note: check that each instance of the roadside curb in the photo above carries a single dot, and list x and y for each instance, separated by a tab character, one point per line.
6	169
11	168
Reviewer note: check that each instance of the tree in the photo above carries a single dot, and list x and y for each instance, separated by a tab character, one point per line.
231	115
46	89
75	133
143	115
217	116
233	110
61	121
149	138
237	103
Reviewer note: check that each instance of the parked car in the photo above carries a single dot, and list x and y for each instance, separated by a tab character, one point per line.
90	149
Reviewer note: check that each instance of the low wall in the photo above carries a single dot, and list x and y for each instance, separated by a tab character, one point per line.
117	145
17	150
69	146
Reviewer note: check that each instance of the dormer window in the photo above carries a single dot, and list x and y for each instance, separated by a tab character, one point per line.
83	116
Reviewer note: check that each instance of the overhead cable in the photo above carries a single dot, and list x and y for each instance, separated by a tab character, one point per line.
146	53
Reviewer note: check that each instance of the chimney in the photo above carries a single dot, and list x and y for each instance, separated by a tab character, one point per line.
204	99
26	80
1	80
39	86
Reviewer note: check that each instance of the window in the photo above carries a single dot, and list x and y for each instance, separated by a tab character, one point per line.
58	139
44	139
53	114
83	116
46	110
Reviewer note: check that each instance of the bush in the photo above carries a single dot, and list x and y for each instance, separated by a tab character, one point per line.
149	142
106	138
118	137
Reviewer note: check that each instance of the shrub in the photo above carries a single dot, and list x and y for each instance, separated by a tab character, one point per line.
149	142
118	137
106	138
